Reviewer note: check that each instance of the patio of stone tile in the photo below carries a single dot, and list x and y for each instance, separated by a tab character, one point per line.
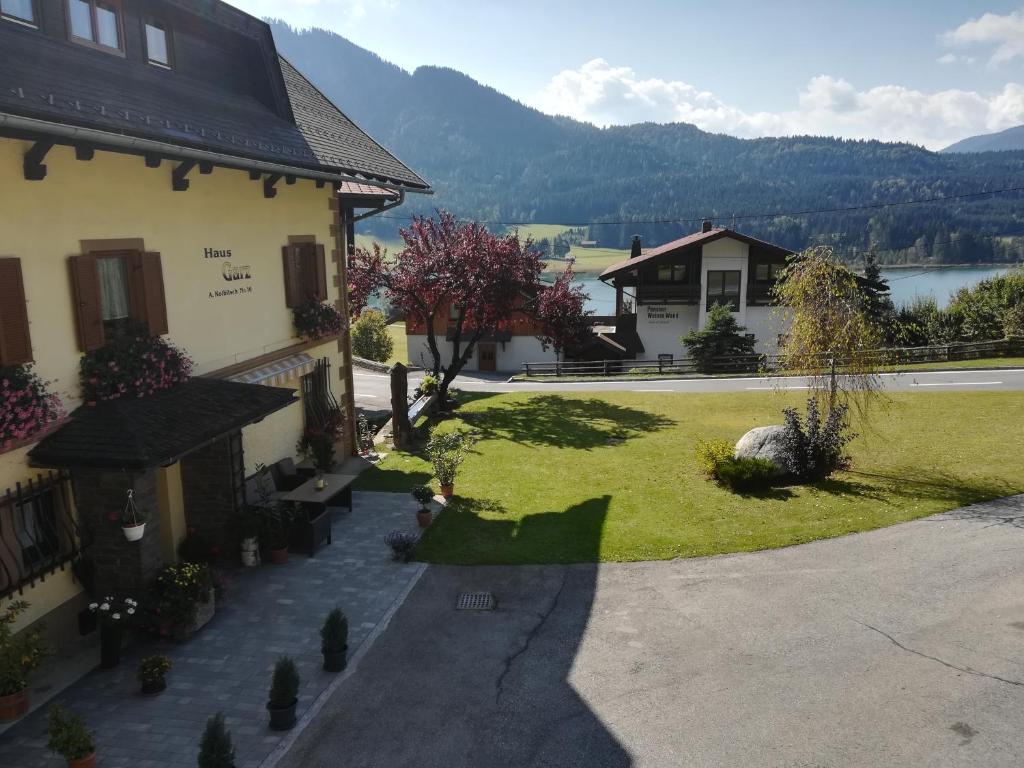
265	612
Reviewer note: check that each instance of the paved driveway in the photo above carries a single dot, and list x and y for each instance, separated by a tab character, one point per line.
899	647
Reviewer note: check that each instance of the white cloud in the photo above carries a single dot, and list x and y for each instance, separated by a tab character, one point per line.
608	95
1005	33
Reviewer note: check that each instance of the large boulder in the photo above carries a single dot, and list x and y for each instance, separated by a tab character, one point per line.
764	443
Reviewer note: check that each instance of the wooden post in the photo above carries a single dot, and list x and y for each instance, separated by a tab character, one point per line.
401	429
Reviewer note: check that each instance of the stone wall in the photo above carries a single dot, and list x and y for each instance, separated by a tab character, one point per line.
123	568
211	483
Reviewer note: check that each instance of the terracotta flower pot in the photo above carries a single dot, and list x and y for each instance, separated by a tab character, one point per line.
423	517
282	718
278	556
448	490
14	706
89	761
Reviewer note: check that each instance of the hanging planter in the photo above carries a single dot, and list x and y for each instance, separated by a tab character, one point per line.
133	522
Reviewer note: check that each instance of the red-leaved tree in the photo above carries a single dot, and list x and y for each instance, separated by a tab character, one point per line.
476	282
564	322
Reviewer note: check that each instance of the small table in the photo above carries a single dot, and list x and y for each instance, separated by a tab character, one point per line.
317	528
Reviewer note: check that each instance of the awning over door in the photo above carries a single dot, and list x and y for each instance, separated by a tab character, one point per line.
140	433
277	372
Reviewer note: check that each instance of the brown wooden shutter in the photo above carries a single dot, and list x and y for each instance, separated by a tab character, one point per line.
136	288
292	257
319	287
153	293
85	285
15	342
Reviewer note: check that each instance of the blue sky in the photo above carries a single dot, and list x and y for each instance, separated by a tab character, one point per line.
930	71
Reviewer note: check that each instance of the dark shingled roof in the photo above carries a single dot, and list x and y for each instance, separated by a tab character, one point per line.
697	238
50	79
139	433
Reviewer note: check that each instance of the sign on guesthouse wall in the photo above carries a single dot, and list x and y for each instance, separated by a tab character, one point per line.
234	277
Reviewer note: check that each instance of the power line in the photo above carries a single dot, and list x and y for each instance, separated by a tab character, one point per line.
747	216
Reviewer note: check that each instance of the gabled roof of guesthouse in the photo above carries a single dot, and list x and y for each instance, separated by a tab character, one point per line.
690	241
238	105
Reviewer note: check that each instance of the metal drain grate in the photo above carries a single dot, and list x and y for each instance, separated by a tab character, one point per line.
475	601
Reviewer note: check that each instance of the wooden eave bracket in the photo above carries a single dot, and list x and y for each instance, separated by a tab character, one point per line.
268	185
32	165
179	180
84	152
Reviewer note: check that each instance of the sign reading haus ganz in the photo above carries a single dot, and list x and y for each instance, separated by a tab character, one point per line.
236	275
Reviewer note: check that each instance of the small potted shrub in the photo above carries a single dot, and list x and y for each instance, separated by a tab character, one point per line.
447	451
334	641
216	749
276	520
424	496
19	655
402	544
70	738
182	600
284	695
153	674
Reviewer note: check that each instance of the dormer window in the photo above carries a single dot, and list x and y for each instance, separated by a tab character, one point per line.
158	44
21	11
96	23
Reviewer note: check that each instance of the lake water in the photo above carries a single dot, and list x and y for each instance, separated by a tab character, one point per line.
905	284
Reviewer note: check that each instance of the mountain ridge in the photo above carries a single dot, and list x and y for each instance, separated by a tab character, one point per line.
492	158
1011	139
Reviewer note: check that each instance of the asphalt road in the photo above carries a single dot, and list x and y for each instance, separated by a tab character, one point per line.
373	389
898	647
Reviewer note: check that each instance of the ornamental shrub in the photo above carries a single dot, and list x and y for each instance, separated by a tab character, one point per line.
174	597
26	404
284	686
19	653
136	365
447	451
746	475
710	454
68	735
370	337
334	632
314	320
722	345
216	749
814	448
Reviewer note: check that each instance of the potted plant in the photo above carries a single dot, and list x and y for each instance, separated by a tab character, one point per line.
152	674
284	695
19	655
216	749
113	615
182	600
133	520
276	520
70	738
402	544
424	496
447	451
334	641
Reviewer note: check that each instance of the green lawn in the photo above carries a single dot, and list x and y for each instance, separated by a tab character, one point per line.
596	259
400	345
575	477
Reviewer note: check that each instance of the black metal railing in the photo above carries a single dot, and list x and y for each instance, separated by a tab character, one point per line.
39	532
317	397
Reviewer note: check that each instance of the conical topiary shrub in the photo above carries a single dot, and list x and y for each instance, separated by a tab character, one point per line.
216	749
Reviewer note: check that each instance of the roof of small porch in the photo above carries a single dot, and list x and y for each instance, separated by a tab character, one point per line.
140	433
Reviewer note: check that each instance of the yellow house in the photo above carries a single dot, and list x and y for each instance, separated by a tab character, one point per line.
163	174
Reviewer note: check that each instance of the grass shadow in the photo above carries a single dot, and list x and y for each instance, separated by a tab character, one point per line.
938	485
467	533
564	422
391	480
